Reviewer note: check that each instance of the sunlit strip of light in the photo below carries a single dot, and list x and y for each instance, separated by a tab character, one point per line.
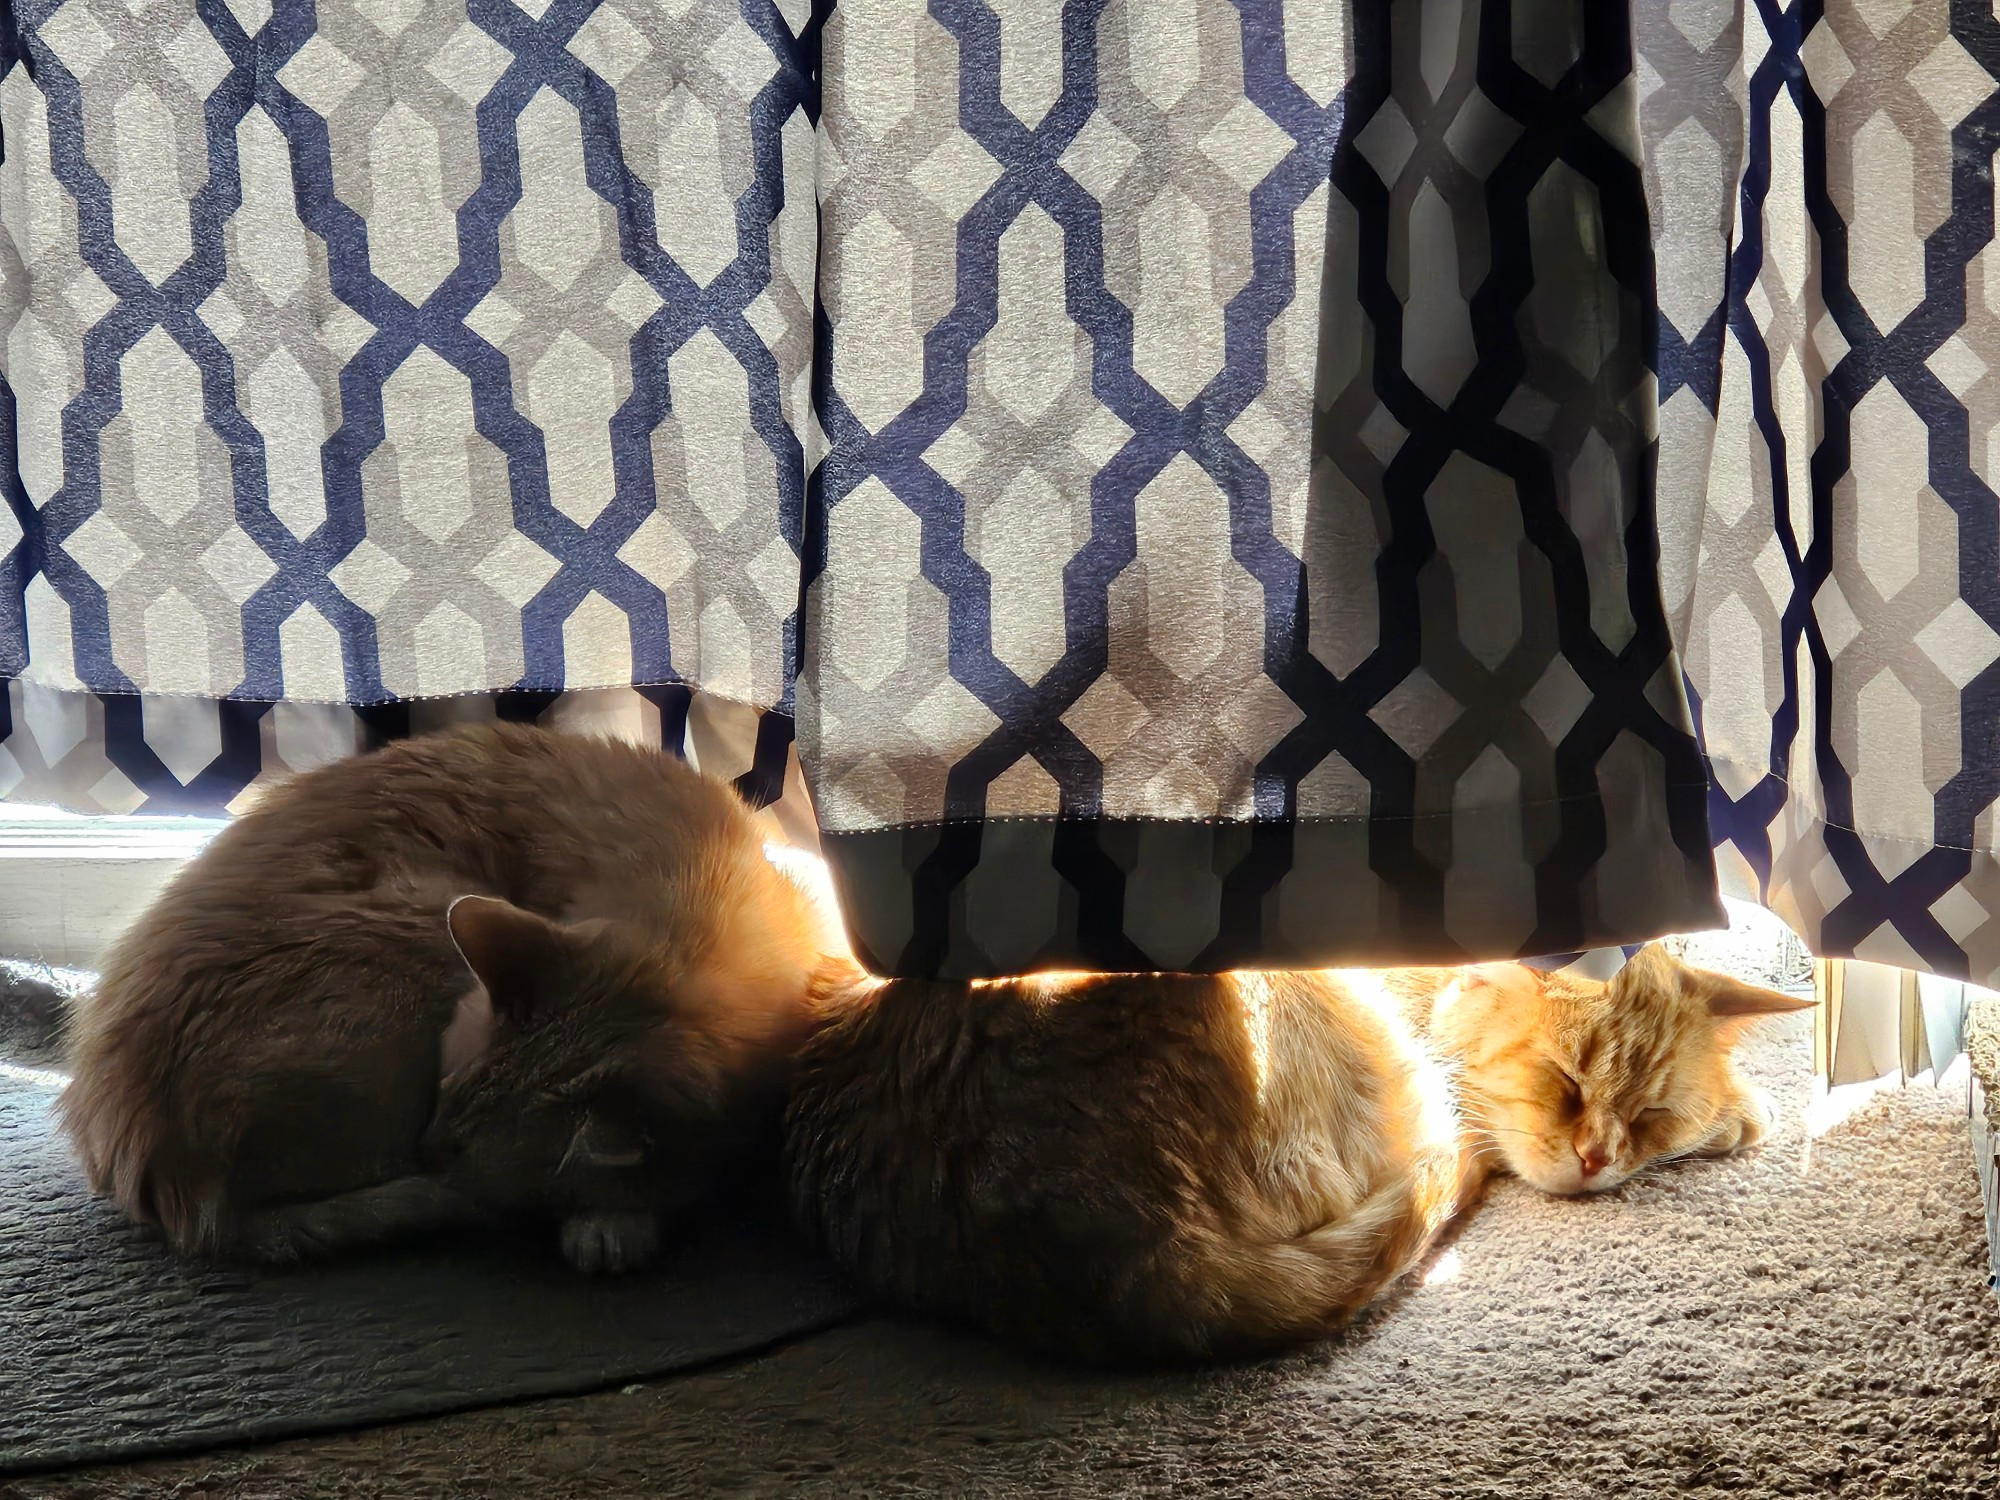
41	1078
1051	980
1254	990
808	871
1445	1268
1366	985
1447	998
814	877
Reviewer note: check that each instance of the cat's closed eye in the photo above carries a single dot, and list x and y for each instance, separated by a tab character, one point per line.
1570	1090
1653	1116
598	1144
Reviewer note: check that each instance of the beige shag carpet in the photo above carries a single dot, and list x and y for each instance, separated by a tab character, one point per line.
1810	1321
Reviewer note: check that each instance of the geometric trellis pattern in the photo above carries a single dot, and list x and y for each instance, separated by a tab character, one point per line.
391	349
1191	470
1830	408
1220	441
1234	539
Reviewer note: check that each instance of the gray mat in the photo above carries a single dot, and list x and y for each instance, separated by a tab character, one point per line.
112	1348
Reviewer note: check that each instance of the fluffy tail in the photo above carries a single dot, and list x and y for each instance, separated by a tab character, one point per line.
1235	1296
116	1113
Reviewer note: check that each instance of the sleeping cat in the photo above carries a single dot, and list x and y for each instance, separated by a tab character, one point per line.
1151	1167
491	974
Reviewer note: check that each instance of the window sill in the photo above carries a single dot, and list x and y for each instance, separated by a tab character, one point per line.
69	885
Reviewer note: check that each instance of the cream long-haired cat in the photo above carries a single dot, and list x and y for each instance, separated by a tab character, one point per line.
1173	1167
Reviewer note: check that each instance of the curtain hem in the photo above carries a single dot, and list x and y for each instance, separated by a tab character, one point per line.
972	900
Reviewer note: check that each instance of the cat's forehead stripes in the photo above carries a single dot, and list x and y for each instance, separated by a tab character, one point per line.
1618	1048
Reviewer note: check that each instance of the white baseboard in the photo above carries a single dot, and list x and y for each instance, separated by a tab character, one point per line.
69	885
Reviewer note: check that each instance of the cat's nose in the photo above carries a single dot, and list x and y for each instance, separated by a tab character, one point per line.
1592	1159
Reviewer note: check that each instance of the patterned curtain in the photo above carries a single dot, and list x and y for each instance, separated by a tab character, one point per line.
1210	482
1822	187
1188	468
1240	489
338	350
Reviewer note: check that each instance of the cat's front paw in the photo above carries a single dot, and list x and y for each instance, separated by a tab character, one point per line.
282	1237
1747	1121
610	1242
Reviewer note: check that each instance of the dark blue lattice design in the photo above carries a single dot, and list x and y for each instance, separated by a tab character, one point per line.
137	736
1257	864
1899	356
1745	820
1803	746
587	555
1259	886
21	561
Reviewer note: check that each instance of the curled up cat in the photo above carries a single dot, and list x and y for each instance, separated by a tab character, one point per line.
487	976
1174	1167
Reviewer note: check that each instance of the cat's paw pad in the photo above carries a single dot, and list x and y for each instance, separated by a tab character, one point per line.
609	1242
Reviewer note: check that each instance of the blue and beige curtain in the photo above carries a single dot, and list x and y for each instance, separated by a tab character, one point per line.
1181	484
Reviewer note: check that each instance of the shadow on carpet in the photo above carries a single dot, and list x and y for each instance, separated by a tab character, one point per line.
112	1348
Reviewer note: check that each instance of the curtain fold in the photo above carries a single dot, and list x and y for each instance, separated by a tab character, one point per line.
1822	181
1243	482
1195	467
1257	564
361	354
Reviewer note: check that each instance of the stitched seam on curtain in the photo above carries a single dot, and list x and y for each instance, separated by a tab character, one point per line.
1893	838
1361	818
606	687
1903	838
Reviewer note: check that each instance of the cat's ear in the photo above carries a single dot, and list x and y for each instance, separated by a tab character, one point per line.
1652	968
1729	1001
515	955
1732	1000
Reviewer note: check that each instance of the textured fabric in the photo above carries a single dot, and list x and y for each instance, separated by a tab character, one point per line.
1110	666
365	351
1822	183
217	487
120	754
1224	510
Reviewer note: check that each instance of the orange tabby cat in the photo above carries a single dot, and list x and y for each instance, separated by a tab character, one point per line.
1171	1166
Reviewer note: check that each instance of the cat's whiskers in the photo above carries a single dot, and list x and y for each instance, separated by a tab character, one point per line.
1487	1127
568	1156
1686	1153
